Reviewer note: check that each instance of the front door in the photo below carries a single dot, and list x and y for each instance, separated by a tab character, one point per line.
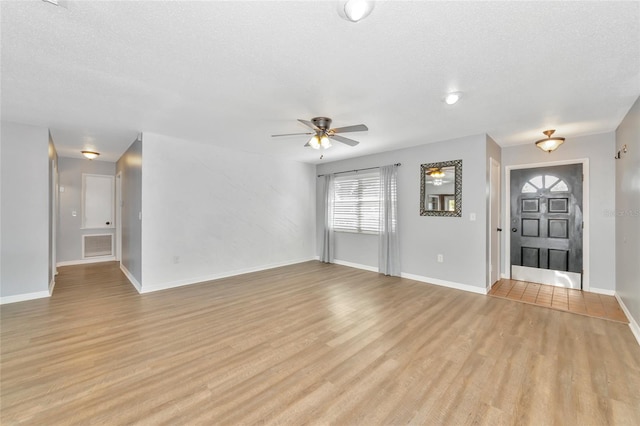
546	225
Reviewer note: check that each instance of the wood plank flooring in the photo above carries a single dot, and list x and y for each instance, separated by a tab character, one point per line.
564	299
307	344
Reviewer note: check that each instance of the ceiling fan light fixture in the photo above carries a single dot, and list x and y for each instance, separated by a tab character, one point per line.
549	144
314	142
90	154
325	142
357	10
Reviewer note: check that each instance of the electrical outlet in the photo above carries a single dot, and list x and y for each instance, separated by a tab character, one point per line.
440	258
176	259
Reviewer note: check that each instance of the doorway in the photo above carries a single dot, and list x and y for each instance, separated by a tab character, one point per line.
547	224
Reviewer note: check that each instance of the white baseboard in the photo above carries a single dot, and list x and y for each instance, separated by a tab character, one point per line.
148	288
131	278
23	297
85	261
633	324
604	291
505	276
355	265
443	283
52	284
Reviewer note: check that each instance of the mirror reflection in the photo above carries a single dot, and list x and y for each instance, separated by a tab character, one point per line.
441	188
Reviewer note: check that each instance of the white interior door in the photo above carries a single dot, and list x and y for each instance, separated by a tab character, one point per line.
98	200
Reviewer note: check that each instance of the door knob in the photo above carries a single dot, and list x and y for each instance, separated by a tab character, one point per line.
499	229
108	223
514	229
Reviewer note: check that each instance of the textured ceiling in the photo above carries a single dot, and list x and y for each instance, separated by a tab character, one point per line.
233	73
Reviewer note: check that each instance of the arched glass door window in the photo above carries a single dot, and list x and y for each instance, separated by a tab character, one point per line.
548	182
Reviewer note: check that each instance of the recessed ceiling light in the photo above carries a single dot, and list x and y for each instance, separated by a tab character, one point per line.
357	10
452	98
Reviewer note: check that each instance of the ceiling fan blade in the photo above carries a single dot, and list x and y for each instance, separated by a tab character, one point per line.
291	134
310	124
354	128
344	140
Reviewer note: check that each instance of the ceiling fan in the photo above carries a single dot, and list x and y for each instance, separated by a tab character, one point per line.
323	134
435	172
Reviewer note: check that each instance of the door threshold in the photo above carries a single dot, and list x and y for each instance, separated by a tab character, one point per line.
547	277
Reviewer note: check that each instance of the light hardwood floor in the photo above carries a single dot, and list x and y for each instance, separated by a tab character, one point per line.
307	344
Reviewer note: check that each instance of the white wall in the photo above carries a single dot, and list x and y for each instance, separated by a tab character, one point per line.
598	149
70	230
422	238
24	193
627	214
129	166
209	212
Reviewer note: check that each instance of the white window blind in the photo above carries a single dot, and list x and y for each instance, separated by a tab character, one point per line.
357	203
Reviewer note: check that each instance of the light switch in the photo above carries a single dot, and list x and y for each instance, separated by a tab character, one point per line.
74	213
472	217
61	188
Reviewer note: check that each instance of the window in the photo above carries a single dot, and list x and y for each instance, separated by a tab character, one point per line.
357	203
552	183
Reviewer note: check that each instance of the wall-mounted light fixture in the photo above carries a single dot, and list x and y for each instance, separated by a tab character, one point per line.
356	10
622	151
90	154
549	144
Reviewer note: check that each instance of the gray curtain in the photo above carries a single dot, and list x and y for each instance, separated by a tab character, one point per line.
327	233
388	244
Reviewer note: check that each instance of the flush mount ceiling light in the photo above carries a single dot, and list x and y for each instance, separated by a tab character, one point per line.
452	98
357	10
549	144
90	154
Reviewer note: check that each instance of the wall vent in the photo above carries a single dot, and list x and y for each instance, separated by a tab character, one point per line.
97	245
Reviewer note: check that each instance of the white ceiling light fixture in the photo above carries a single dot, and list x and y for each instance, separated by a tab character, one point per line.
452	98
90	154
549	144
357	10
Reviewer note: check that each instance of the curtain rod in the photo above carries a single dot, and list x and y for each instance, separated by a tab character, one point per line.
358	170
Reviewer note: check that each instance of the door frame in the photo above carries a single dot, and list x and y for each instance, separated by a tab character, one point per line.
118	208
585	213
493	226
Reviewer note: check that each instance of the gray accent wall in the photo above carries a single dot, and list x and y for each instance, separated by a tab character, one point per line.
460	240
599	150
129	168
69	247
627	212
24	211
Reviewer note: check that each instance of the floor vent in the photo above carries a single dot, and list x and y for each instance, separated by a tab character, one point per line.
97	245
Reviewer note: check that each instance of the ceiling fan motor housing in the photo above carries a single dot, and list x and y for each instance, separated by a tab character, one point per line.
322	122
